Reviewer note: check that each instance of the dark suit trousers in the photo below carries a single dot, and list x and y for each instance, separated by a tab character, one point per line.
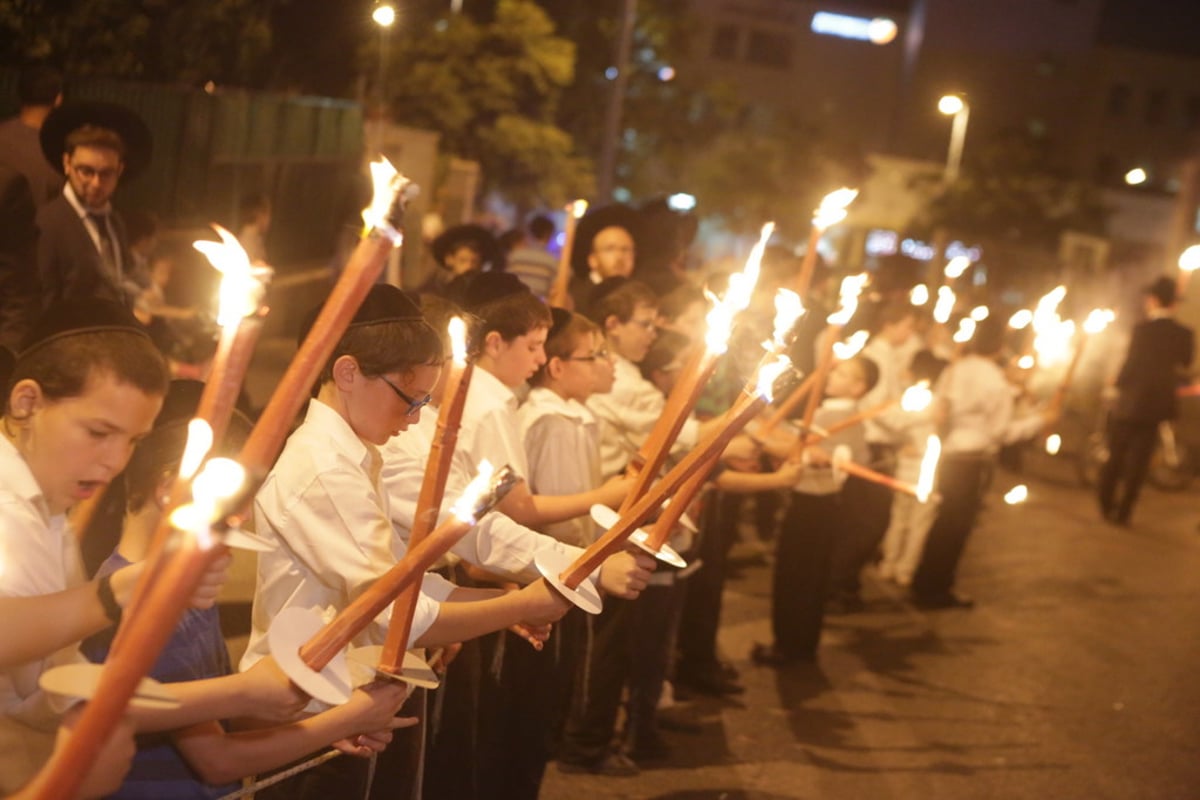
801	580
600	681
961	480
1130	448
701	614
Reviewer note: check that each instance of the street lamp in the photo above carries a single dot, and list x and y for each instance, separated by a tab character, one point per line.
384	15
953	105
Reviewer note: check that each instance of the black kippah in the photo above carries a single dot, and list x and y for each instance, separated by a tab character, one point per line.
384	303
487	287
74	317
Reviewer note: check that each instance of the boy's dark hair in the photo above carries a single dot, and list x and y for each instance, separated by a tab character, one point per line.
666	348
388	334
870	372
926	366
672	304
75	339
95	136
541	227
564	336
619	297
514	315
39	85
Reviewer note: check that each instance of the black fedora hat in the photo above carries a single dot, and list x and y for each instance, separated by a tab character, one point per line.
612	216
131	128
475	236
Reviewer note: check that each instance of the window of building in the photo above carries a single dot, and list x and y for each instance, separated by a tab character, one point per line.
769	49
1118	100
725	42
1156	107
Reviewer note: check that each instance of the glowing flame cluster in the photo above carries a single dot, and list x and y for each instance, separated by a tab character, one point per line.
1052	334
1016	495
1098	320
217	481
386	184
1053	444
457	330
1189	260
980	313
1021	319
944	306
957	266
788	309
929	465
919	295
578	208
851	288
769	373
737	296
1026	362
966	329
464	507
852	346
241	291
916	397
833	208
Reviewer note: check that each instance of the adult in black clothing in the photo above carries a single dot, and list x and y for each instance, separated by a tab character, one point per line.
82	247
1159	352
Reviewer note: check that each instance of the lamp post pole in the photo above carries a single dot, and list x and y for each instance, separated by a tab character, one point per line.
955	106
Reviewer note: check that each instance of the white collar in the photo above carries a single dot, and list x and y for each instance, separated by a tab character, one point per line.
78	205
488	385
548	401
19	479
330	423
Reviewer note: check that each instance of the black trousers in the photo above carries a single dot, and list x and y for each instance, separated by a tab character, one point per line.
600	680
801	580
867	507
701	614
961	480
1130	447
650	654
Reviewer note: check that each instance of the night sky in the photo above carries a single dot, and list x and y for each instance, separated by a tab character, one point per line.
1165	25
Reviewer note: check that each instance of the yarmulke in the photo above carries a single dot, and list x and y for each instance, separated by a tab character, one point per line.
75	317
383	303
474	235
614	216
134	133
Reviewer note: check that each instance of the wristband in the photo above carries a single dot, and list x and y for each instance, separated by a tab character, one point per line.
112	609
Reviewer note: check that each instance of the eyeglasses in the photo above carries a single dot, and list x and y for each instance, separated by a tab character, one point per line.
647	324
599	355
413	405
88	173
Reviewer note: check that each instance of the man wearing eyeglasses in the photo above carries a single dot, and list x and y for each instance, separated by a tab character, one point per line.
82	246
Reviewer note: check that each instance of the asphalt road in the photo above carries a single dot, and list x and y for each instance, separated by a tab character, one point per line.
1077	675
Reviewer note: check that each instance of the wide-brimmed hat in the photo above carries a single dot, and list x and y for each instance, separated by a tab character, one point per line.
131	128
613	216
476	236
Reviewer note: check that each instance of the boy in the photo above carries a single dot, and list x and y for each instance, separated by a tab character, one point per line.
814	518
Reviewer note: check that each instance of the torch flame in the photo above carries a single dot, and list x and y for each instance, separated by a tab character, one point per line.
833	207
737	296
769	373
929	464
457	330
1025	362
851	288
1098	320
240	290
957	266
1020	320
199	442
1053	444
844	351
980	313
1017	494
966	329
386	183
919	295
578	208
916	397
220	480
1052	335
944	305
788	309
464	509
1189	260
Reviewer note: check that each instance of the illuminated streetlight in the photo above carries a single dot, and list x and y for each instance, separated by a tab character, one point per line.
384	15
953	105
1136	176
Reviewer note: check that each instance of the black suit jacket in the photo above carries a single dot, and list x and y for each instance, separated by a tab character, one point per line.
68	262
1159	352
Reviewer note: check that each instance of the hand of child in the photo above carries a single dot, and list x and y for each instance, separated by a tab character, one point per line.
211	582
789	472
543	603
444	656
614	490
373	707
741	448
626	574
536	635
817	457
270	694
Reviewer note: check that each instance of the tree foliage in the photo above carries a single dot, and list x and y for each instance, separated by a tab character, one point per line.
190	41
491	88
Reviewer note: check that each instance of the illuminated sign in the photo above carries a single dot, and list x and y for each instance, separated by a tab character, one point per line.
879	30
881	242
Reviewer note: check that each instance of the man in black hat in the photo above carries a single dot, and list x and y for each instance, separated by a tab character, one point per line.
1160	350
82	247
605	247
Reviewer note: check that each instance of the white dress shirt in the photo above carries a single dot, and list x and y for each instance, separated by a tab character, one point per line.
324	507
824	479
893	362
498	543
38	555
977	401
628	413
561	439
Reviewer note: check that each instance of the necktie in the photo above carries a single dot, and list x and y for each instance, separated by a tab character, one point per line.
108	254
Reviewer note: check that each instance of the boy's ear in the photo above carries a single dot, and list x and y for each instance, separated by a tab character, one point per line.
554	367
345	369
24	399
611	323
492	342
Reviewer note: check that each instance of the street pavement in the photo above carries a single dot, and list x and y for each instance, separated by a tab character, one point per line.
1075	676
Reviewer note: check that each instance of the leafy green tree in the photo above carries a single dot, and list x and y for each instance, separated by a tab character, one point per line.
491	88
